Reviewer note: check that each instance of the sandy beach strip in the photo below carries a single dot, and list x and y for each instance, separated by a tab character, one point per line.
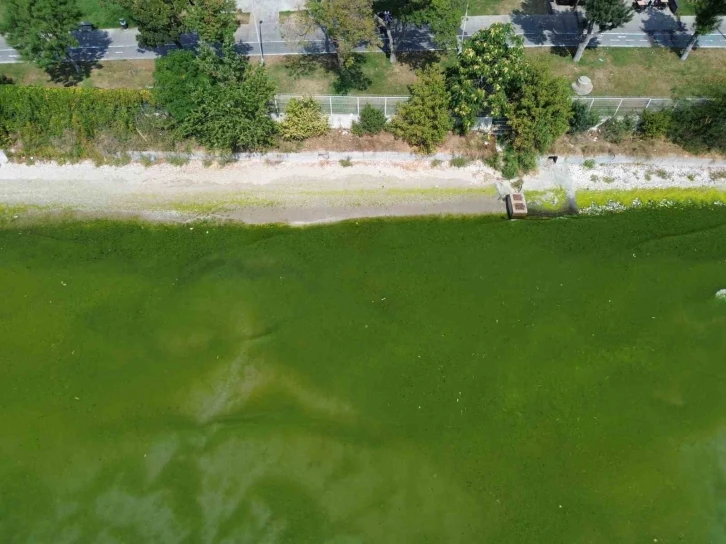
258	191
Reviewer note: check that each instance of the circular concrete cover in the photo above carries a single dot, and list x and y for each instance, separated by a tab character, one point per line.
582	86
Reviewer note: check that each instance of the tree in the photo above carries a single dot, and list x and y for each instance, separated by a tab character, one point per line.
176	78
389	35
346	23
539	111
160	22
213	20
606	14
424	120
708	19
370	121
40	30
490	67
441	17
582	118
231	105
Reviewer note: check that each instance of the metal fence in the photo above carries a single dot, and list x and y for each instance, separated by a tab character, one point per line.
346	105
609	106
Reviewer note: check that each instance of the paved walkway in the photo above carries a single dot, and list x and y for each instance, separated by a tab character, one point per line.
649	29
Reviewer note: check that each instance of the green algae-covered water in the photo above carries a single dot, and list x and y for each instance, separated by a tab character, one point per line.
456	380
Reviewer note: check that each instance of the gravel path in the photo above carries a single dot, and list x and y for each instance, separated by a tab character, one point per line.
297	192
254	191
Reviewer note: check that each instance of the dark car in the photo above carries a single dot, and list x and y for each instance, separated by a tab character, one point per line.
86	27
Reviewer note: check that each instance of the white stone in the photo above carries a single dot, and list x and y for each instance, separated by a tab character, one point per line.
721	294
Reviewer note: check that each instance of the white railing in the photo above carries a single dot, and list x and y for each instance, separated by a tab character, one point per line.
608	106
346	105
351	105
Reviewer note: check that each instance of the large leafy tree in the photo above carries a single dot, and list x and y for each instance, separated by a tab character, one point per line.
176	78
212	20
229	109
490	69
346	23
539	111
708	19
441	17
605	15
160	22
425	119
40	30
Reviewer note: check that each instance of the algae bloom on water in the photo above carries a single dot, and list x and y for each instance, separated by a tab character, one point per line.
443	380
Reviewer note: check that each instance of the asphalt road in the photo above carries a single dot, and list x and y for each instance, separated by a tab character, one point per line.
560	29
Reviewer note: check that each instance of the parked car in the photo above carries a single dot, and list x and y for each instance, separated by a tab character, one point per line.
86	27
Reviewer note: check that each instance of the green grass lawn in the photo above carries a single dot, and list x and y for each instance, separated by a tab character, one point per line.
374	75
555	381
117	74
503	7
102	13
637	71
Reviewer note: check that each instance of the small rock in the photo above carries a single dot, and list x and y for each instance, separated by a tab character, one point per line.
721	294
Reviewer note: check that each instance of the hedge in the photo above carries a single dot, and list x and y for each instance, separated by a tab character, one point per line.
35	118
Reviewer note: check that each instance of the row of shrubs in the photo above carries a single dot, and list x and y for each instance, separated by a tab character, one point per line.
303	120
697	126
75	123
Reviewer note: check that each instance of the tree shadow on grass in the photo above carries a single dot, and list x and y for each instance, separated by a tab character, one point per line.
298	66
418	60
563	51
92	47
346	79
352	77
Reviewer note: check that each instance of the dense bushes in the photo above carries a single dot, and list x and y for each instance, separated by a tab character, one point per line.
655	124
616	129
516	162
39	120
493	78
303	120
700	126
371	121
424	120
538	111
582	118
219	99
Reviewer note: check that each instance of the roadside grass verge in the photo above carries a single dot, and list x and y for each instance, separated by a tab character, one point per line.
659	70
497	7
117	74
372	74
